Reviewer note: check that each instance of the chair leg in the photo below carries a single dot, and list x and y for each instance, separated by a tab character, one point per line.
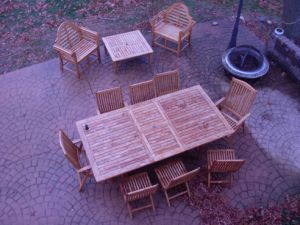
178	48
98	55
77	70
152	203
208	180
188	189
153	39
82	182
231	180
129	209
189	40
167	197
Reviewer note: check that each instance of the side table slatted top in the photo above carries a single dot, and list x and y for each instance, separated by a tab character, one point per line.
126	45
126	139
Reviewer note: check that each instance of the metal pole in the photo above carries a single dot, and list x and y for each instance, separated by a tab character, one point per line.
235	30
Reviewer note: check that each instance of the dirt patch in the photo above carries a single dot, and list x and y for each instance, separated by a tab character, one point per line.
28	28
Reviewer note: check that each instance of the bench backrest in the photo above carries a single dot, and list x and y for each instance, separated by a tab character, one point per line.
178	15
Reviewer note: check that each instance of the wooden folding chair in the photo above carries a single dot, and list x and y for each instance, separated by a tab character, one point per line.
237	103
222	161
166	82
109	100
138	187
141	91
174	174
72	153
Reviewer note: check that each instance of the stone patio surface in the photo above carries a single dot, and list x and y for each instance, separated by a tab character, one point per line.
39	186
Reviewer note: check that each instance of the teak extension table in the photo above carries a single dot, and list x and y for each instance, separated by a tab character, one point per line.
135	136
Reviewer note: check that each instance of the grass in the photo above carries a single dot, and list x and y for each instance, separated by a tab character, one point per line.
43	17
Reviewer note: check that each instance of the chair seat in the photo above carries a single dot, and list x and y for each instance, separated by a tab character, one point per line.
83	48
136	182
170	171
233	123
169	31
226	154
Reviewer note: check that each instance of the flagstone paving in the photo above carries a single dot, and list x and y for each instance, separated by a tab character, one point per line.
38	185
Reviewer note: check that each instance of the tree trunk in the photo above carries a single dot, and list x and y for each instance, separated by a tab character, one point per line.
291	14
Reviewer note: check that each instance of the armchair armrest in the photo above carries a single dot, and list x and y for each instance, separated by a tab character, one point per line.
242	120
219	102
188	28
64	50
76	141
157	19
83	169
90	35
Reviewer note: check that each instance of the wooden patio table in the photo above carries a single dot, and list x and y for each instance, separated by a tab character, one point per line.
138	135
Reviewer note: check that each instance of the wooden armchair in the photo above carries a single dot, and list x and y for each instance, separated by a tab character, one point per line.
109	100
166	82
222	161
74	44
172	175
141	91
72	153
173	24
138	187
236	105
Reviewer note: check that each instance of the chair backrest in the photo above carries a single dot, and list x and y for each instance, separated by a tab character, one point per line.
69	149
68	35
183	178
166	82
109	100
141	91
134	195
226	165
178	14
239	98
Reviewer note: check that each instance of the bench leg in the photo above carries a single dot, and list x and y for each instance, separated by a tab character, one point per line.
61	63
77	70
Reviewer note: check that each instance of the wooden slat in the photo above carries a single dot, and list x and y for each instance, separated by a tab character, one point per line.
134	136
193	117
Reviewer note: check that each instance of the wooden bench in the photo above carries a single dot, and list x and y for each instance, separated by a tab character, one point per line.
173	24
74	44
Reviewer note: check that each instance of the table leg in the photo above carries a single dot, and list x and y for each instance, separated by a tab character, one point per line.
115	66
105	51
150	58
